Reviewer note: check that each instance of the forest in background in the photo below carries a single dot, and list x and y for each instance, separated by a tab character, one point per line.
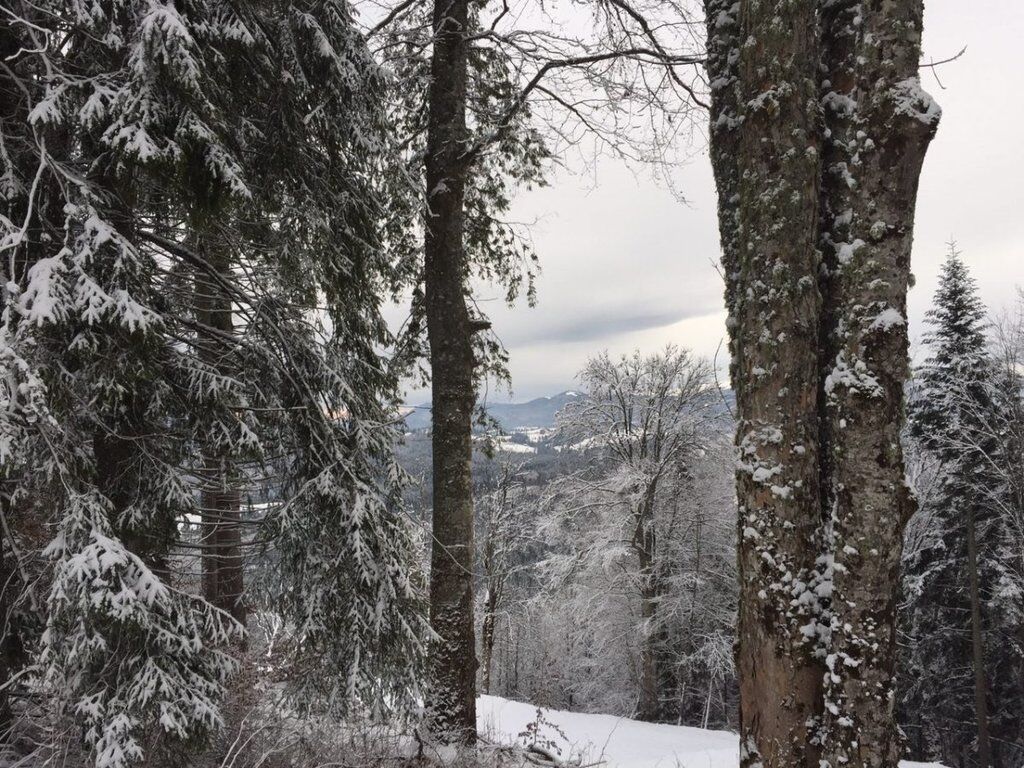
560	599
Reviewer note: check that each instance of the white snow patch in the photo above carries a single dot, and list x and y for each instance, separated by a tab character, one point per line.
506	445
913	101
618	742
887	319
846	251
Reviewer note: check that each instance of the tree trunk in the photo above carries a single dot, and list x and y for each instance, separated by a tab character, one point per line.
645	541
494	576
818	370
765	150
880	124
648	706
224	507
978	647
13	113
9	582
452	694
223	576
487	641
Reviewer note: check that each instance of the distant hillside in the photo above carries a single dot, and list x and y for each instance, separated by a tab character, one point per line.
538	413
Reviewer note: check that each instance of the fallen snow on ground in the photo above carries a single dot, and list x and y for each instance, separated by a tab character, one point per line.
506	445
617	742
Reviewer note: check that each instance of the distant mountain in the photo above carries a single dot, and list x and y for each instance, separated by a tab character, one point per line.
540	412
537	413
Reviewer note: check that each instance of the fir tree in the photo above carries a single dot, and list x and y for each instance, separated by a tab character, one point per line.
157	152
955	665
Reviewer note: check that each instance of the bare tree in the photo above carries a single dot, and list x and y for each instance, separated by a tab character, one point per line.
503	524
648	415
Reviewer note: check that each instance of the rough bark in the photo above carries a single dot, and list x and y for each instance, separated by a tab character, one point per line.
818	133
452	694
223	506
880	124
765	145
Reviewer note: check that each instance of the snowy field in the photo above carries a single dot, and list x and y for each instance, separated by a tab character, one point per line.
616	742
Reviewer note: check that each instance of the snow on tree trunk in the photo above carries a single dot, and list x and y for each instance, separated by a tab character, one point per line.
880	123
769	200
452	667
819	128
645	543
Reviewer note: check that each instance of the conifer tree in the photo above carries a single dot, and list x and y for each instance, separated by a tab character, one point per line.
954	582
153	148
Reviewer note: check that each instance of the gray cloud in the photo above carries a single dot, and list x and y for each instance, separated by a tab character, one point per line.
602	325
598	325
626	265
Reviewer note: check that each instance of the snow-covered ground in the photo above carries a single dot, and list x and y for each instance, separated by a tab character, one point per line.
617	742
506	445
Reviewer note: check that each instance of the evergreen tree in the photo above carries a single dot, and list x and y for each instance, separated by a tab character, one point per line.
192	267
957	668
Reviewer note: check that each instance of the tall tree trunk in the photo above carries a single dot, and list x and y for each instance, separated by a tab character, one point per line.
223	576
765	149
818	370
649	704
880	123
452	694
487	640
223	506
645	541
978	647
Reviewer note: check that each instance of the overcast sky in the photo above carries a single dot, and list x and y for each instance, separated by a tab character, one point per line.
625	265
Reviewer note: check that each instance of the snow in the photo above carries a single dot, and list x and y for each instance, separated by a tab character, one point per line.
913	101
534	435
41	302
886	319
617	742
845	251
506	445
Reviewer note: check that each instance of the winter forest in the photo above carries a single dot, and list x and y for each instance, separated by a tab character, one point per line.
269	495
